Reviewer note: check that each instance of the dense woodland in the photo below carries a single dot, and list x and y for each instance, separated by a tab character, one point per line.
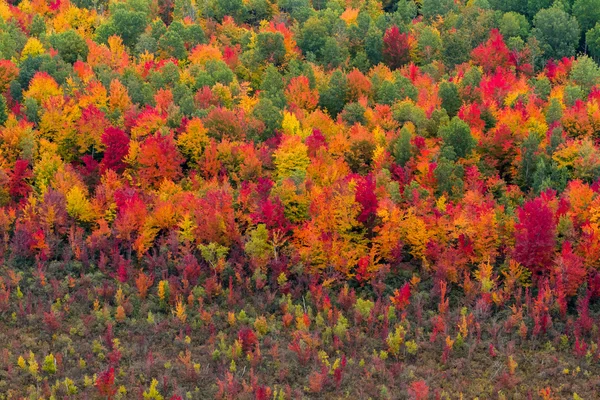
295	199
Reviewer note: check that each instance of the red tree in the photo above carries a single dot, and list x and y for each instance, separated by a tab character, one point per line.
396	48
493	53
535	236
159	159
117	146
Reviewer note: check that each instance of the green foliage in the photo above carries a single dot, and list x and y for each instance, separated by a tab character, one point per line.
585	73
592	40
402	150
70	46
449	174
172	45
258	245
587	13
333	96
313	37
513	24
431	9
458	135
3	110
557	33
127	24
270	48
529	161
451	102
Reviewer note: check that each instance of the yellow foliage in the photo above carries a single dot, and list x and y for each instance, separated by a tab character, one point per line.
33	47
42	87
187	226
47	165
291	157
291	126
80	19
415	233
78	205
349	15
119	98
194	140
5	12
203	53
180	311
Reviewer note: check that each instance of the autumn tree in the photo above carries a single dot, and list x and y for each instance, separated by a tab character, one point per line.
535	236
396	48
159	159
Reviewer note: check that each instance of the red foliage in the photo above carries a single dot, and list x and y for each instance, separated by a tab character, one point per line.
18	186
396	48
159	159
365	196
535	236
401	298
105	383
419	390
493	53
248	339
570	269
117	147
315	141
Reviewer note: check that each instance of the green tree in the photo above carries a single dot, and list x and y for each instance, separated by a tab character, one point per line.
513	24
401	88
127	24
232	8
258	10
458	135
456	47
333	96
273	87
3	110
573	93
70	46
270	48
587	13
353	113
592	40
542	87
534	6
38	26
313	36
429	44
270	115
448	174
557	33
334	54
585	73
300	10
171	45
374	45
448	92
431	9
554	111
402	149
529	161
